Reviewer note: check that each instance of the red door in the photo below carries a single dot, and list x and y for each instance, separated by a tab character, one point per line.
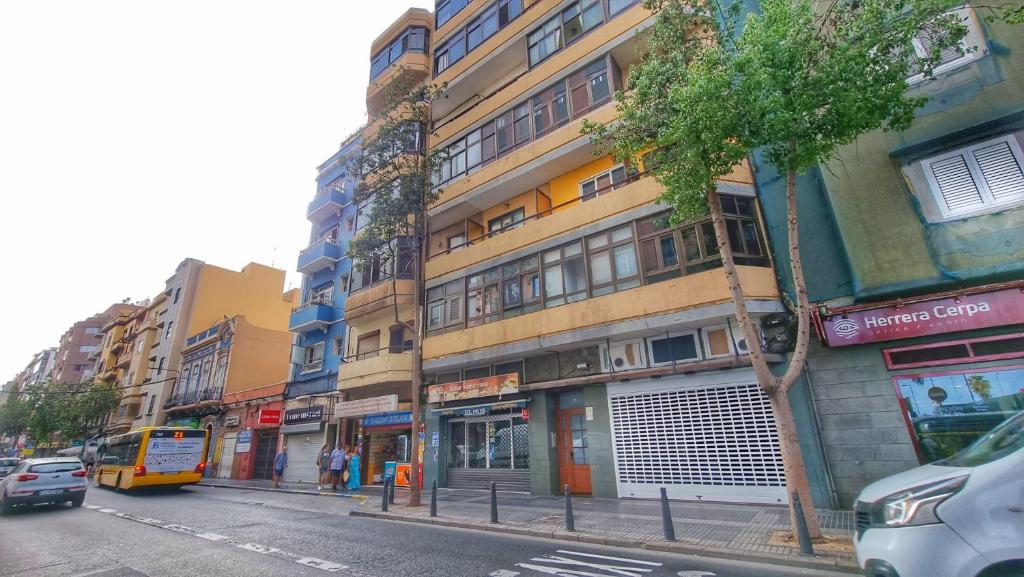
574	465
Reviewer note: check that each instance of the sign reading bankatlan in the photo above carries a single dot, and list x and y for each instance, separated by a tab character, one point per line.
927	317
474	388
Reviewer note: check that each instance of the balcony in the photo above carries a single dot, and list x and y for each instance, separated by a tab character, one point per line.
311	316
322	254
383	368
370	303
410	68
326	203
197	399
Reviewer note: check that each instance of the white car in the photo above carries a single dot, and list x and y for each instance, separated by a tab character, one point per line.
51	480
7	464
960	517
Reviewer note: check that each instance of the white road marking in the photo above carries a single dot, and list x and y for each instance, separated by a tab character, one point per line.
625	570
695	574
560	571
329	566
623	559
504	573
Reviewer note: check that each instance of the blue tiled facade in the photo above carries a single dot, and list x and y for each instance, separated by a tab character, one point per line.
319	320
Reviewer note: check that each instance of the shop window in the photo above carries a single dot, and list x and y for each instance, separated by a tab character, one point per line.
506	221
674	348
948	411
368	346
976	179
564	277
496	441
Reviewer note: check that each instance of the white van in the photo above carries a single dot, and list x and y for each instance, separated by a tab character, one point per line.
960	517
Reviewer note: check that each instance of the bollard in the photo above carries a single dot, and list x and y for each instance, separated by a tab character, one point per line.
433	499
570	522
494	502
802	534
666	517
384	497
391	493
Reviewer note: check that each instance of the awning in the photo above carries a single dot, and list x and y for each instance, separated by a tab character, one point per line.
302	428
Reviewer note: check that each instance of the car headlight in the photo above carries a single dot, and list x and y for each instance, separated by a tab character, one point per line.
916	506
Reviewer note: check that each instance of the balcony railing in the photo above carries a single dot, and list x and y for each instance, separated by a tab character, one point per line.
322	254
192	397
326	203
315	314
312	367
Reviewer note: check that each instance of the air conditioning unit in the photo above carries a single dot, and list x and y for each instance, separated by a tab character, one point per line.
623	356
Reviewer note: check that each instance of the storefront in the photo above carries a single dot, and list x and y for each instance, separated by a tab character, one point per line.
303	432
947	367
249	440
386	438
485	424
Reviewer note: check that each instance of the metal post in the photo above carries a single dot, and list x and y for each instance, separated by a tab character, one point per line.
666	517
433	499
391	493
384	497
802	534
570	522
494	502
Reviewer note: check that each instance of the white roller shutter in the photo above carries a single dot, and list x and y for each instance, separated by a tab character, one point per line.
704	437
227	456
302	457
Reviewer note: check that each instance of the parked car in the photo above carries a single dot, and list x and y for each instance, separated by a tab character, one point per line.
7	464
48	480
959	517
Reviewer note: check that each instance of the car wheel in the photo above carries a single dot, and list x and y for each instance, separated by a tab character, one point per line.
77	501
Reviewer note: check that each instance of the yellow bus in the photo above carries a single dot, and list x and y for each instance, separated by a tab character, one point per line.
152	456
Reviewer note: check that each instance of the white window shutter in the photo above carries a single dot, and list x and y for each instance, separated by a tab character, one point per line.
956	184
1001	170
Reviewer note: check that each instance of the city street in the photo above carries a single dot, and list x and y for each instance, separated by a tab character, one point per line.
207	531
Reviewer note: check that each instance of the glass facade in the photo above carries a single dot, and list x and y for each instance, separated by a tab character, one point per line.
499	440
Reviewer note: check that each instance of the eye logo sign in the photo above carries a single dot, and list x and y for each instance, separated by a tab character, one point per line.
846	328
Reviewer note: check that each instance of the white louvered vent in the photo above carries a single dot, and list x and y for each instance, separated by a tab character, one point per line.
985	176
719	436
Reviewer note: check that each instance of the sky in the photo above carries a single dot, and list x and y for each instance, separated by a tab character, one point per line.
136	134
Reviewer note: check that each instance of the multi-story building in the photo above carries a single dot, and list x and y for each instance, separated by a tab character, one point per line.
79	344
117	364
318	322
916	266
37	371
573	335
195	298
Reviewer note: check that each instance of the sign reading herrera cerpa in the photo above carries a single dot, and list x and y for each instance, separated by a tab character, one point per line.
474	388
927	317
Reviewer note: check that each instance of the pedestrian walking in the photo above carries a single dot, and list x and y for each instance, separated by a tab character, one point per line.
337	466
280	464
353	471
323	464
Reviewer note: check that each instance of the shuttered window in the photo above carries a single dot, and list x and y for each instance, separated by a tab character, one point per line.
978	178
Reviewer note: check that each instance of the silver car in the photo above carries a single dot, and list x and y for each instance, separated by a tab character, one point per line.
50	480
7	464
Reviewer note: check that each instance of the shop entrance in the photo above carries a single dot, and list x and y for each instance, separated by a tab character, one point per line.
492	447
383	445
266	450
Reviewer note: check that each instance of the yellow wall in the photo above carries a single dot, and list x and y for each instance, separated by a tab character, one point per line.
567	187
704	288
259	357
255	291
526	200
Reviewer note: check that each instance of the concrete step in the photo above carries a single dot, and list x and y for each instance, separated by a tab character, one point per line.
507	480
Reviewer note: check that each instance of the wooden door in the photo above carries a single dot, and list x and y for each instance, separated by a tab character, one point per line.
573	457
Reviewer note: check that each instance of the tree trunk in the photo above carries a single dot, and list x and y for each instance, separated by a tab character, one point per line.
778	395
793	461
417	362
803	310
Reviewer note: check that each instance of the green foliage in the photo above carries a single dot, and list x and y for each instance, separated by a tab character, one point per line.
797	80
14	415
68	409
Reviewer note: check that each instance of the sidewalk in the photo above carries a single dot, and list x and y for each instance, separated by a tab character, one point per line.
707	529
292	488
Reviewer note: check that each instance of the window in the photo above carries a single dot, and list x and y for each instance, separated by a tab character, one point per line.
323	294
446	9
177	294
170	328
399	339
339	346
978	178
476	373
606	181
589	88
363	212
504	129
91	330
482	298
970	47
544	41
717	341
87	348
367	345
564	277
411	39
506	221
457	241
313	358
444	305
490	20
160	366
674	348
616	6
520	287
484	26
573	22
612	258
550	109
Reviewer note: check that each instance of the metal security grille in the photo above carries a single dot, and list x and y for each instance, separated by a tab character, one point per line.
721	436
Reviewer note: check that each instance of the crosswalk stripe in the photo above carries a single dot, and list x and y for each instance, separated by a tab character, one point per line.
623	559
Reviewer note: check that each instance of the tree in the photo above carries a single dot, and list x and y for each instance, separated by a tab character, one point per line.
68	409
979	384
396	182
795	81
14	415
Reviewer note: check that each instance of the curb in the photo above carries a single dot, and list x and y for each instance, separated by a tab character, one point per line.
289	491
790	560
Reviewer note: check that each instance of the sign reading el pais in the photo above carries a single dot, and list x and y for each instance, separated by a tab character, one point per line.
929	317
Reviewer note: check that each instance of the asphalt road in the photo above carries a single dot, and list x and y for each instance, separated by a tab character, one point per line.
226	533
